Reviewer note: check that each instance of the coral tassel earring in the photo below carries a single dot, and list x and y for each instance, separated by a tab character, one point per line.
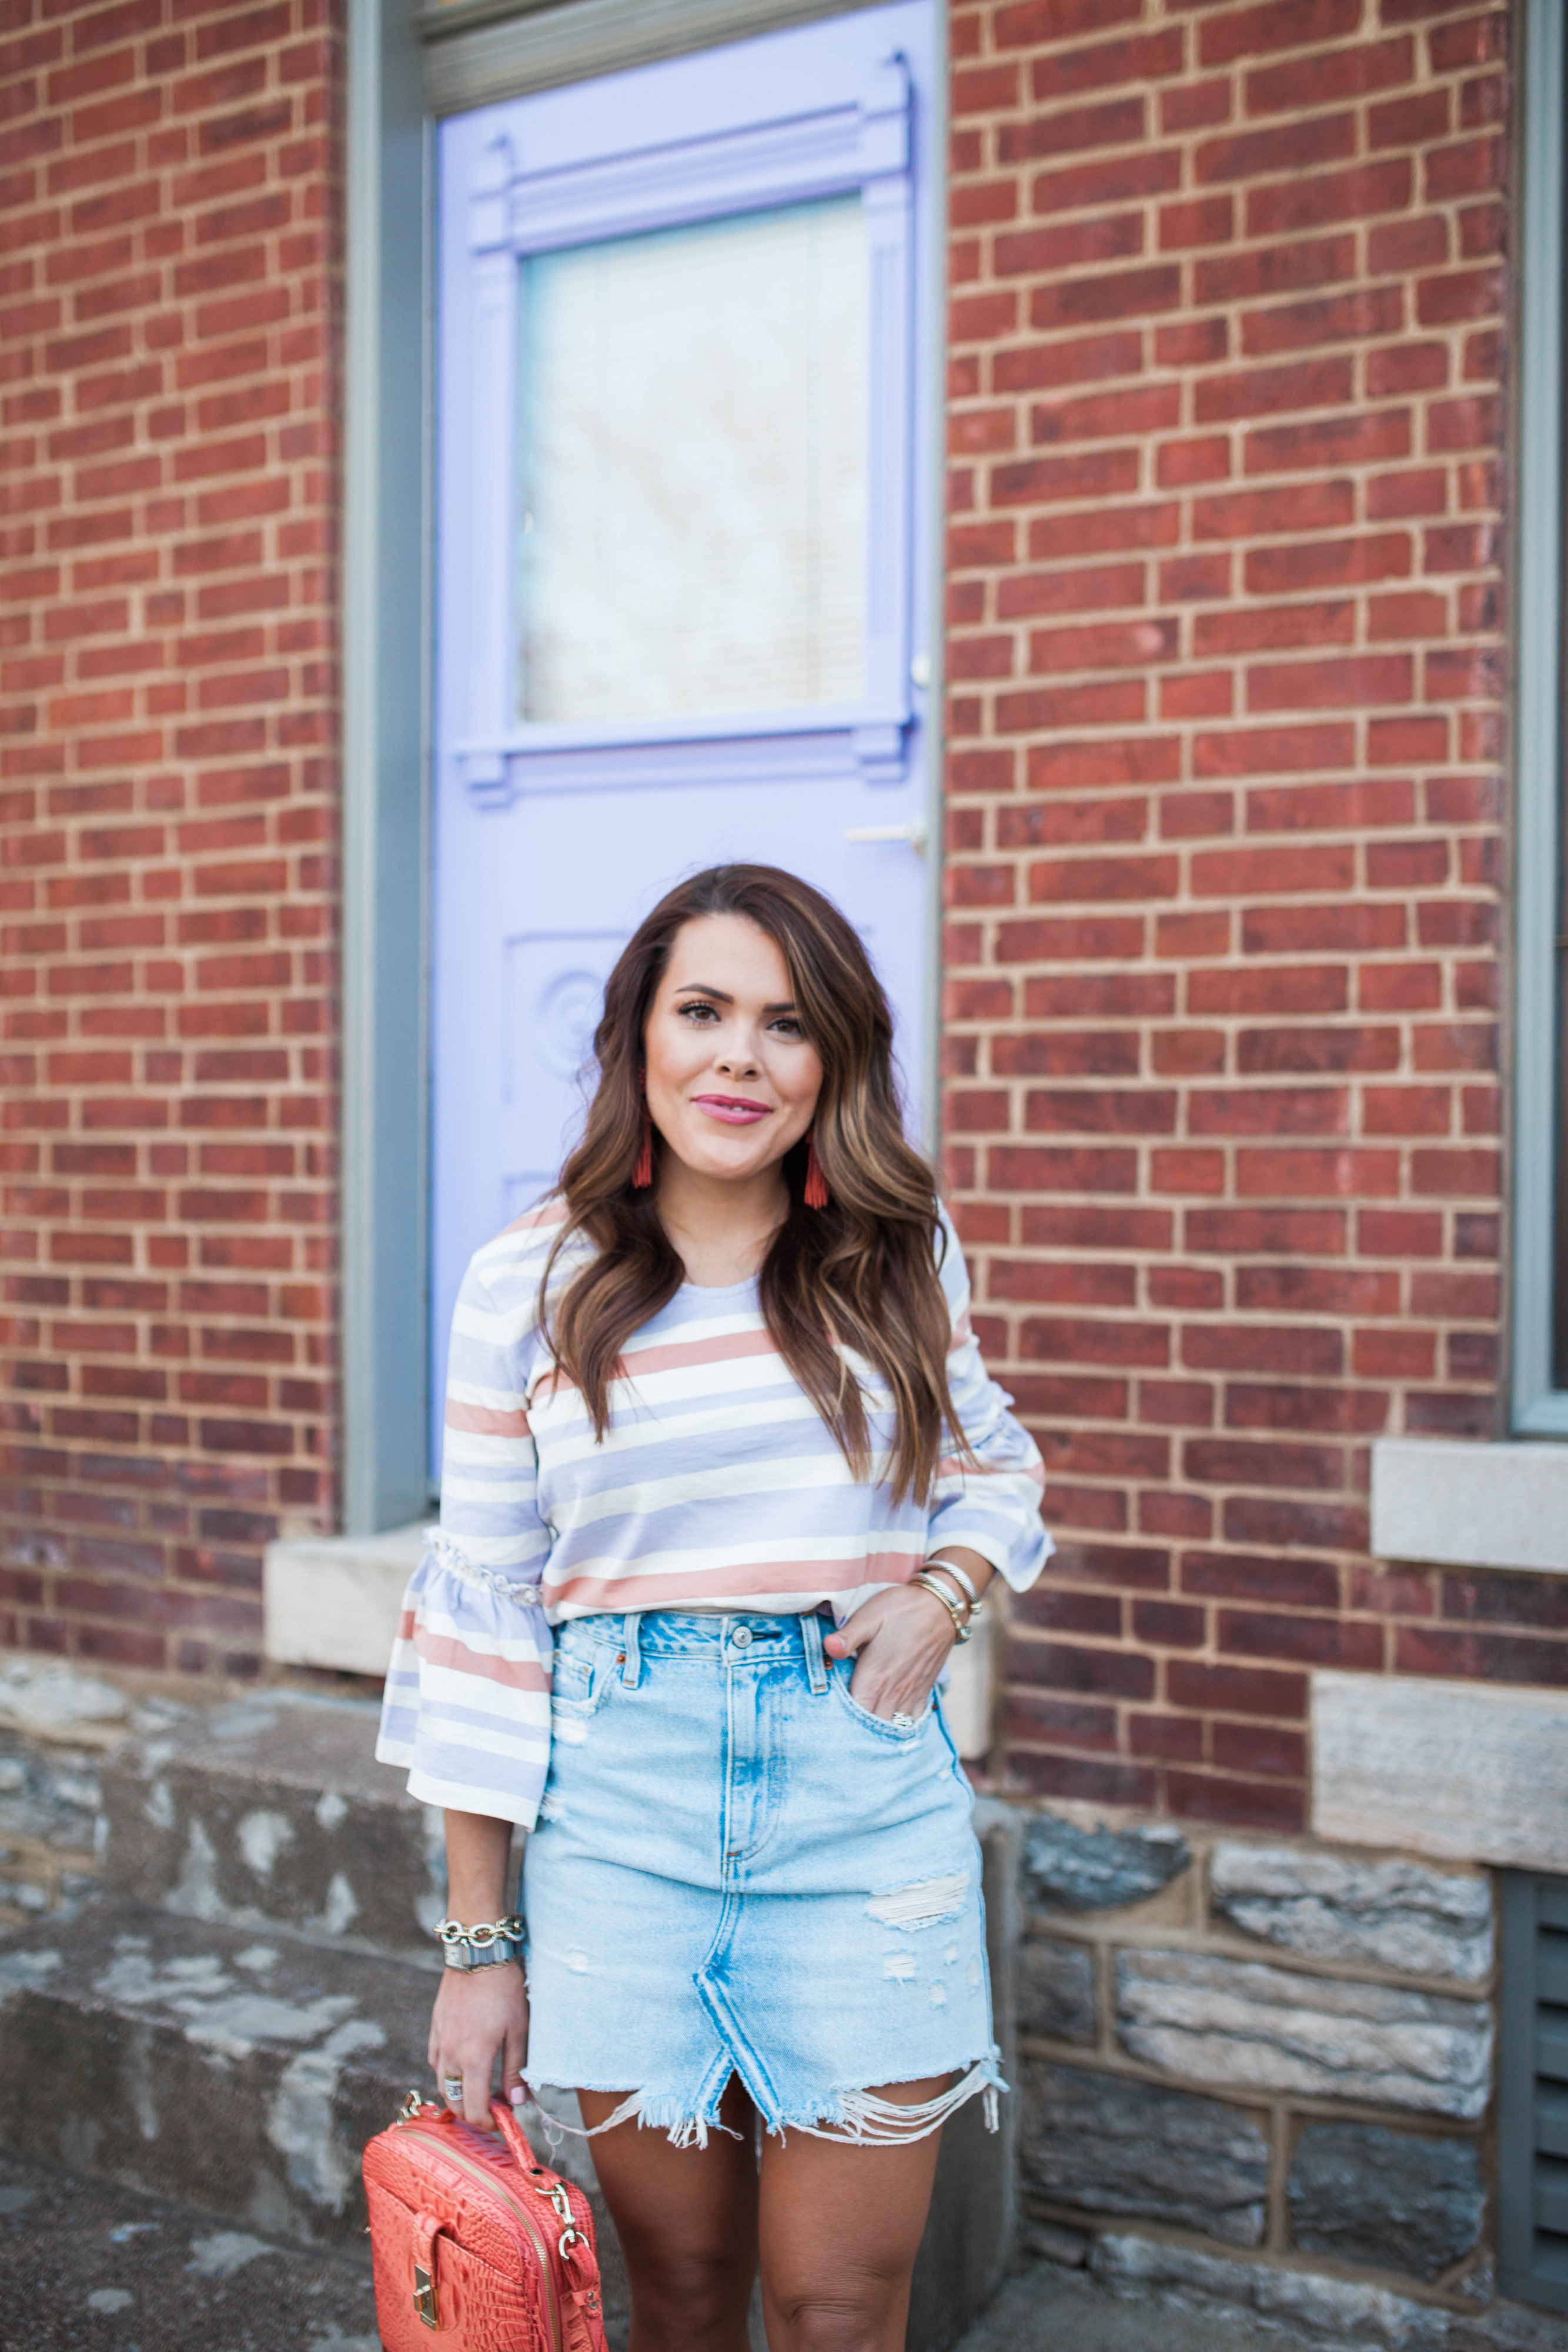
643	1174
816	1193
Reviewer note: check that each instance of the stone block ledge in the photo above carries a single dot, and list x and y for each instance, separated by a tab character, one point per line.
1454	1503
335	1600
1232	1942
1460	1771
1287	2109
1243	2025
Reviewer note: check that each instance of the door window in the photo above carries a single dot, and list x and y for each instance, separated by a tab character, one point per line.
691	440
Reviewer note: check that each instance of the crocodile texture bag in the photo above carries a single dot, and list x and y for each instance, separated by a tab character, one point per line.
479	2241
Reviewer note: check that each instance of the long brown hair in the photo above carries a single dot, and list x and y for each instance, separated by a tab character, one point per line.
859	1275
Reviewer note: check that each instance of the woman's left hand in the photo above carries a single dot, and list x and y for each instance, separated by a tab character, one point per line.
900	1641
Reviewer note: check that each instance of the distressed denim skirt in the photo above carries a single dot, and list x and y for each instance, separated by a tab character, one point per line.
738	1870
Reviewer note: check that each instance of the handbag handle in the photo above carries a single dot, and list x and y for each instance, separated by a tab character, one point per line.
583	2314
536	2174
514	2135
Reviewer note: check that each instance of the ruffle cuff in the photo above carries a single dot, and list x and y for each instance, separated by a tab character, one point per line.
467	1709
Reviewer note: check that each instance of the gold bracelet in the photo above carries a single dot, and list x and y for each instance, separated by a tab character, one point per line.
954	1607
962	1589
951	1567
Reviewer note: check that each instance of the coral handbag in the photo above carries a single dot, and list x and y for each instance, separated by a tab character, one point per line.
481	2243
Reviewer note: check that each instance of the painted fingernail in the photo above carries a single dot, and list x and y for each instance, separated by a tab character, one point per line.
516	2096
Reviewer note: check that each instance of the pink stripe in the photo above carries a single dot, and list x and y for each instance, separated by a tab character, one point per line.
446	1650
672	1355
487	1421
963	1332
815	1578
669	1355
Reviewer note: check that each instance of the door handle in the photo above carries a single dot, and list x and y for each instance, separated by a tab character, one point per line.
915	835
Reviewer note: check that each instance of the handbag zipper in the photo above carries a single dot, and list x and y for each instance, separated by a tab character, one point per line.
482	2172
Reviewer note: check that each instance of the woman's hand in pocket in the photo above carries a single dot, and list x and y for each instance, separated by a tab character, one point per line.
480	2014
900	1641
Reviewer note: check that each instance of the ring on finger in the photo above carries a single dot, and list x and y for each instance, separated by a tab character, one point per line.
451	2089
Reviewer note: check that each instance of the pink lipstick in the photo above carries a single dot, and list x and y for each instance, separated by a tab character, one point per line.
735	1110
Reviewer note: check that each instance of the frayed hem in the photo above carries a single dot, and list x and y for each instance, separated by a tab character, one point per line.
856	2119
641	2107
866	2121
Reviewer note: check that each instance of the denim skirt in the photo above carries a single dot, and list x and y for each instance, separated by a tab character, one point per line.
738	1870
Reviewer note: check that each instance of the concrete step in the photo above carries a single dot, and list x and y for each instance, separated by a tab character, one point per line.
83	2262
272	1812
238	2076
202	2064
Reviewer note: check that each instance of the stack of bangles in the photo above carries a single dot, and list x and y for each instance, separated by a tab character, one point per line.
963	1603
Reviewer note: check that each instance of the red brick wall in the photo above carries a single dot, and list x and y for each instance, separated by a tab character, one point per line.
168	283
1225	667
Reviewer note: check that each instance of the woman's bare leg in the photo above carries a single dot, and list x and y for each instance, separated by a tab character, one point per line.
686	2218
840	2227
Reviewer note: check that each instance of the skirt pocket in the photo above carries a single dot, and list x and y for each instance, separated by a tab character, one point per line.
902	1734
580	1685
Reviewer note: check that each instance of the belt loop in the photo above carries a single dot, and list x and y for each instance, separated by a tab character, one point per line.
811	1638
631	1659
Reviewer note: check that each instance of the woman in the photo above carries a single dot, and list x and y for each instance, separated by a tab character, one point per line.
723	1384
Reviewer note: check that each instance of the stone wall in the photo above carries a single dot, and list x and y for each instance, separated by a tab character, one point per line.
1239	2052
58	1729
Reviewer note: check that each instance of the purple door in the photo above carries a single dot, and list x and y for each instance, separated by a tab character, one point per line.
682	549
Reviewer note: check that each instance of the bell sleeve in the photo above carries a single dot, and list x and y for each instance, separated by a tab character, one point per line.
991	1501
467	1709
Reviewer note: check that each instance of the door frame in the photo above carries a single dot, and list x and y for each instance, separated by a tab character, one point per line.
404	70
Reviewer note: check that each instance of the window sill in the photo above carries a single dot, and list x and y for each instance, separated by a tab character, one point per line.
1459	1504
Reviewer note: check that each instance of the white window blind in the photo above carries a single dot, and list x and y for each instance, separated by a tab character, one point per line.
692	503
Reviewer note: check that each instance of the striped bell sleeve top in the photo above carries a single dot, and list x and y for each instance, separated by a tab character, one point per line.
717	1484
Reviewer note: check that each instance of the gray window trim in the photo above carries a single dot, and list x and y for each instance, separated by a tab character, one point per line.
1539	1409
385	1052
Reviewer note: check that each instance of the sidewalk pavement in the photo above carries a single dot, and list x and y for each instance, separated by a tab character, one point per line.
88	2267
1052	2310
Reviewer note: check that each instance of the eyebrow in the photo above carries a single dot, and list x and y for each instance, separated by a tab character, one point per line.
720	996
